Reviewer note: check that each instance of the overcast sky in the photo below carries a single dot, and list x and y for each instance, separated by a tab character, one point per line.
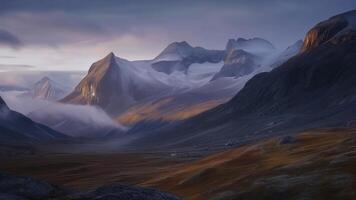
71	34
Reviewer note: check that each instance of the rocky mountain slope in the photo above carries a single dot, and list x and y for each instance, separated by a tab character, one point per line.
115	84
313	89
182	81
238	63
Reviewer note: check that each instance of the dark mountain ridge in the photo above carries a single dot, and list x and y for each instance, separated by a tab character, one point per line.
15	127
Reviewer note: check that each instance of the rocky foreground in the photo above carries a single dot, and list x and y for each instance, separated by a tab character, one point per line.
25	188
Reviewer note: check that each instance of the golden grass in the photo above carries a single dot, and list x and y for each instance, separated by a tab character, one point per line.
156	111
236	170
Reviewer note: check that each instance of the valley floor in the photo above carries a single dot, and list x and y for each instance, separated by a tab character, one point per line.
317	164
88	171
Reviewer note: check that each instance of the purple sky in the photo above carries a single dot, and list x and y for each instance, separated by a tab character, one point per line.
71	34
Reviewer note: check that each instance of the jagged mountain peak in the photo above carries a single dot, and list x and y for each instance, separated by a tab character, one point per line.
181	44
237	63
109	62
256	39
176	51
45	79
111	57
111	54
47	89
329	29
251	45
178	56
112	81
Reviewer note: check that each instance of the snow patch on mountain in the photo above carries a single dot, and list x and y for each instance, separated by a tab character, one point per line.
175	51
253	45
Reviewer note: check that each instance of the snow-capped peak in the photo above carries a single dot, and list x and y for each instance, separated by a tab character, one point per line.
175	51
251	45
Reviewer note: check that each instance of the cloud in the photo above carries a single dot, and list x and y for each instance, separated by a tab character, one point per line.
59	22
74	120
73	33
9	39
15	66
27	78
7	56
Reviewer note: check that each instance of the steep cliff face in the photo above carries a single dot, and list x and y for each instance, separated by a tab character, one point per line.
326	30
103	82
244	56
238	63
114	84
102	86
255	45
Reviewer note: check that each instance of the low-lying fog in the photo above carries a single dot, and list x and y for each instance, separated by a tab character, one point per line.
73	120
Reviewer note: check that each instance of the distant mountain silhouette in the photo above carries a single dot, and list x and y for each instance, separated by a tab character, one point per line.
47	89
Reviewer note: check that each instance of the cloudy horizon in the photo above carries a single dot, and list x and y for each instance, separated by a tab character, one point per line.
72	34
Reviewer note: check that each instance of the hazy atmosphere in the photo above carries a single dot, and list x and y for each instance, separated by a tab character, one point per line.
71	34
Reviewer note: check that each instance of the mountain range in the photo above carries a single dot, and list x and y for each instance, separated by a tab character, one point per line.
180	82
312	89
232	92
47	89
